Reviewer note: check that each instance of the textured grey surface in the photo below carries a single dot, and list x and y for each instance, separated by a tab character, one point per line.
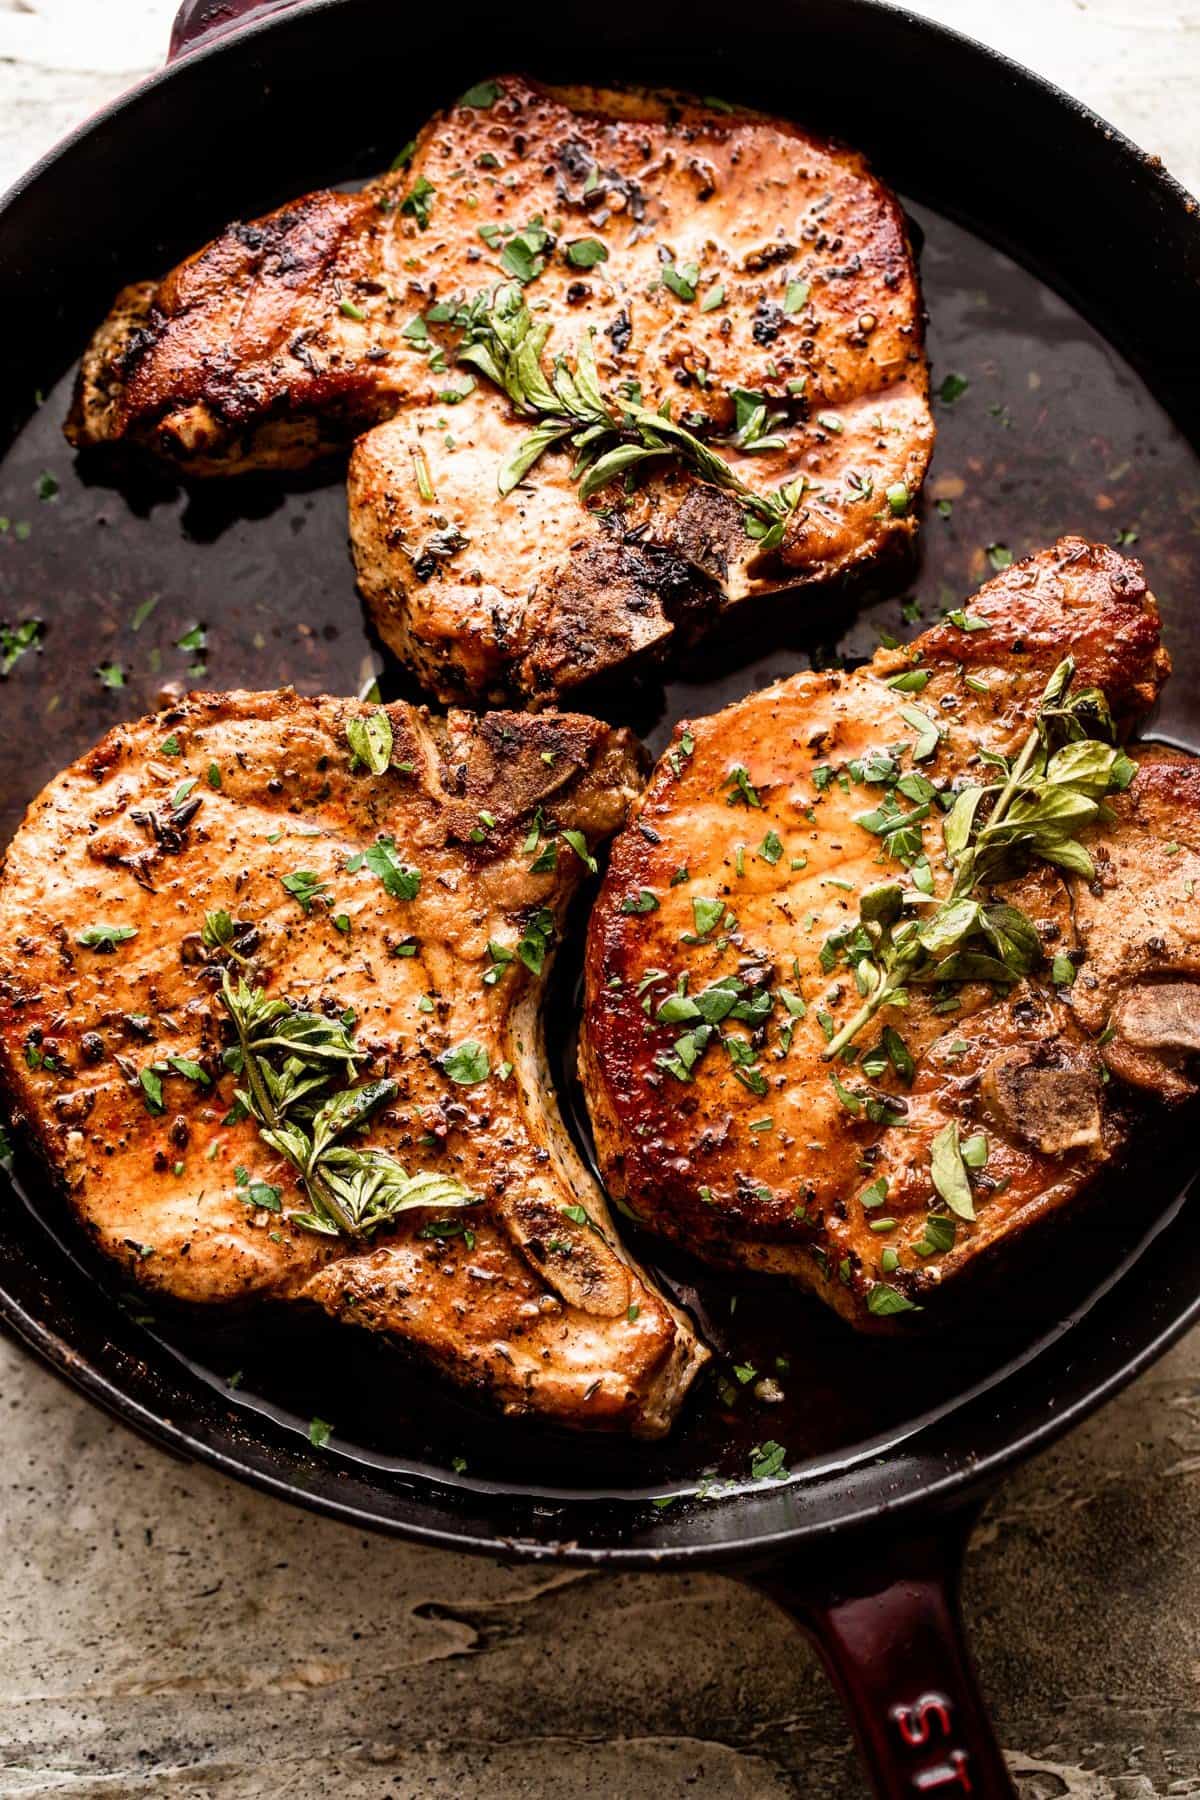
164	1633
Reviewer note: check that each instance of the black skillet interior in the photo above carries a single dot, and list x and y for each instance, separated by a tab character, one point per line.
1054	431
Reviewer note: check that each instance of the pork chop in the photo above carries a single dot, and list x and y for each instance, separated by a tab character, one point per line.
799	1055
271	971
556	269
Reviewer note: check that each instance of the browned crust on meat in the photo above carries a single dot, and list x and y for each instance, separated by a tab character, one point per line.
291	336
536	1310
1025	1069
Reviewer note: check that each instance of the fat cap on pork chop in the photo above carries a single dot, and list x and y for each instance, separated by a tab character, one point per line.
419	906
745	863
752	278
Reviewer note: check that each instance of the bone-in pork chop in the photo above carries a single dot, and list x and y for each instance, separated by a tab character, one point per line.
270	979
713	311
872	942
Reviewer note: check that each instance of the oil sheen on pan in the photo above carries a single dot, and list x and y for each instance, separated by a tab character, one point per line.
145	590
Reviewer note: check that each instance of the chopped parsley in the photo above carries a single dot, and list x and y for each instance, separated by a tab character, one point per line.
15	640
682	282
105	937
483	95
304	886
418	202
585	253
399	880
466	1063
741	790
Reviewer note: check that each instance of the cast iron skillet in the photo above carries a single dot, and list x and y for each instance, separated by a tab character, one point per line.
892	1448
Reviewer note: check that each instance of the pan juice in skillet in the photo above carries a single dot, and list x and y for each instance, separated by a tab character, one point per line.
144	590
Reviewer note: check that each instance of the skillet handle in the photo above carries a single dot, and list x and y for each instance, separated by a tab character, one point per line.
199	21
890	1631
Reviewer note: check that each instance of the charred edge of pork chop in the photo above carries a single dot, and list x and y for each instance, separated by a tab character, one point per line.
1078	597
215	395
616	604
542	1313
1028	1070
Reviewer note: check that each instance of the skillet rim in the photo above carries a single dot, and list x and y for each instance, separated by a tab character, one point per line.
961	1473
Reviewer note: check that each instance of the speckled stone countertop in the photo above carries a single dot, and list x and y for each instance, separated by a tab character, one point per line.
166	1633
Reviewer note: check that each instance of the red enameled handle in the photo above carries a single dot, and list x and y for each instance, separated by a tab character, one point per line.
198	21
890	1631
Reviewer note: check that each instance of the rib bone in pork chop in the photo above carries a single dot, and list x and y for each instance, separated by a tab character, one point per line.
749	281
399	924
760	1090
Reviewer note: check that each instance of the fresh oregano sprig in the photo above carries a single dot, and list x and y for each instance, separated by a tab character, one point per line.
288	1060
502	341
1053	788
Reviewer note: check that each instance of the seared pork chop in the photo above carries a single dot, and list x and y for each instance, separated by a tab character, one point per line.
397	897
754	282
757	1092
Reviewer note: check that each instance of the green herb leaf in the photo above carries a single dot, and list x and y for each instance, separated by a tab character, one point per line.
190	1070
768	1462
707	915
586	253
617	462
883	1301
105	937
641	902
217	930
467	1063
369	736
579	845
875	1194
288	1060
522	256
1062	971
502	342
682	282
304	887
536	940
418	202
975	1151
399	880
938	1236
949	1173
514	468
15	640
741	791
483	95
152	1089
